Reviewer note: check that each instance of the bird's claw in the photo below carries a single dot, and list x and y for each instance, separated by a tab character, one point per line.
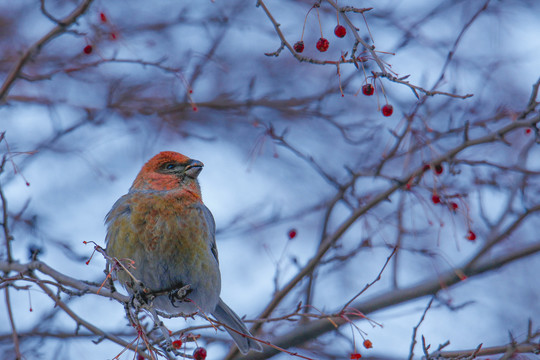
179	294
141	297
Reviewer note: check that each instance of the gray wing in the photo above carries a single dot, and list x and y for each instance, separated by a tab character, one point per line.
212	227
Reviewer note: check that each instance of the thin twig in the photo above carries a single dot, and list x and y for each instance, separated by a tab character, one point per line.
415	329
373	282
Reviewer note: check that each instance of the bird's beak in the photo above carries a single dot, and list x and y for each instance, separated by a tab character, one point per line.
193	168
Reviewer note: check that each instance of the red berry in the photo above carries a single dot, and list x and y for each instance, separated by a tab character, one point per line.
387	110
88	49
299	46
355	356
368	89
454	205
471	236
177	344
292	233
340	31
438	168
368	344
103	17
322	44
436	199
199	353
527	131
426	167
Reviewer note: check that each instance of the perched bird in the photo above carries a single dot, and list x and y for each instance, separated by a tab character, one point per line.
162	225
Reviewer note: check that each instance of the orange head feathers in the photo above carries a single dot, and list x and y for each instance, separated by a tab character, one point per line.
169	170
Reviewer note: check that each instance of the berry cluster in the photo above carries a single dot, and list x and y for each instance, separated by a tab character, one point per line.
322	44
88	49
438	169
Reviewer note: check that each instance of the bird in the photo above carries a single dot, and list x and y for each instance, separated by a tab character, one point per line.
164	229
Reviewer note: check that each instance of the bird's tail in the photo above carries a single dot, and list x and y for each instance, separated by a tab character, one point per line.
226	316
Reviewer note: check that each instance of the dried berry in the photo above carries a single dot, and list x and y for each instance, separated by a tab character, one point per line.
368	89
323	44
299	46
199	353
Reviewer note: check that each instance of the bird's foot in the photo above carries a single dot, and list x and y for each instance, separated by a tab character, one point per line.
141	296
179	294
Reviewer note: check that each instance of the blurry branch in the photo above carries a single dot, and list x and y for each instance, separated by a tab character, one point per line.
33	51
513	168
452	51
494	134
529	345
158	64
58	335
27	273
509	351
5	215
411	115
81	322
376	199
444	68
224	103
48	144
234	11
280	139
8	238
401	80
312	330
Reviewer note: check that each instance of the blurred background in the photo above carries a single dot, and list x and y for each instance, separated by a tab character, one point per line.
294	153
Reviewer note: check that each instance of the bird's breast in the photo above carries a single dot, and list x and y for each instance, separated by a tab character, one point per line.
168	238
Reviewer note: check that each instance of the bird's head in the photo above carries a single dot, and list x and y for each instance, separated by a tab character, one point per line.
169	170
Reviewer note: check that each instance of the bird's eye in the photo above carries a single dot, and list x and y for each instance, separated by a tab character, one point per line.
169	166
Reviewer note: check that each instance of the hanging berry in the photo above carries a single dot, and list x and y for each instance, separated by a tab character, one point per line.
387	110
340	31
323	44
368	89
199	353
